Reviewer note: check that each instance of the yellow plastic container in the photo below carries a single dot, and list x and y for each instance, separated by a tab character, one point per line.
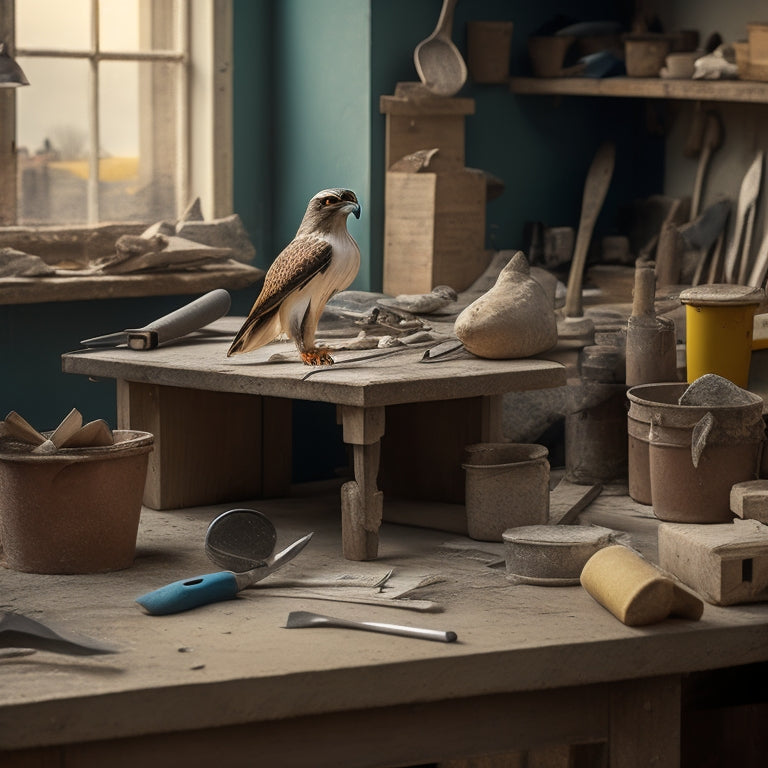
718	337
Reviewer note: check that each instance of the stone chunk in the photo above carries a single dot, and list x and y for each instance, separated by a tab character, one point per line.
749	500
726	564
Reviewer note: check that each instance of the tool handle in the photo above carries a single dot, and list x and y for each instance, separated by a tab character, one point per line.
190	593
397	629
191	317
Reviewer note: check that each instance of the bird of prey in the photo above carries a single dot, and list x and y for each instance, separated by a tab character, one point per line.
320	261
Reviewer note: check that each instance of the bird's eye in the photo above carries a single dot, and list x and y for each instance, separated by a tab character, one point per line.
329	200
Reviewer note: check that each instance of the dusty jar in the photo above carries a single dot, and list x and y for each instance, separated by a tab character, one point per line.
507	485
489	45
73	511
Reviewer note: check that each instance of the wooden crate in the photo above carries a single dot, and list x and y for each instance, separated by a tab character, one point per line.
236	446
426	123
434	231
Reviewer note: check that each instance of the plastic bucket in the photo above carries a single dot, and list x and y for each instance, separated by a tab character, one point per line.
507	485
718	330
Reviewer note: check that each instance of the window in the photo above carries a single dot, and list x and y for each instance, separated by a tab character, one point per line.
120	90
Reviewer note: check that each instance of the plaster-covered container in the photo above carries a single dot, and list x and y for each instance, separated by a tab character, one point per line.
73	511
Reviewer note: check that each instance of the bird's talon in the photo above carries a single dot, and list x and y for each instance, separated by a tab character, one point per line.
317	357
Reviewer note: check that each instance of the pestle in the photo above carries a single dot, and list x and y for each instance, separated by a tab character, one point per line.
634	590
651	343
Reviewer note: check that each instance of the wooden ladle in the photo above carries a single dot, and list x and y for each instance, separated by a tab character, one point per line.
439	64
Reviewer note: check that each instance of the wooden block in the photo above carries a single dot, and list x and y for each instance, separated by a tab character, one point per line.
434	231
414	124
749	500
725	563
209	447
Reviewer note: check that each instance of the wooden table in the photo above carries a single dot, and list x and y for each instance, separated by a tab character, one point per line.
173	390
227	684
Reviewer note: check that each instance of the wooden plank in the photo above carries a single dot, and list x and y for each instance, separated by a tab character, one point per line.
434	231
202	363
364	739
33	290
643	88
645	723
568	500
199	457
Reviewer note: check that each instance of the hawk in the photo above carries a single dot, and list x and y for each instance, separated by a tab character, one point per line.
320	261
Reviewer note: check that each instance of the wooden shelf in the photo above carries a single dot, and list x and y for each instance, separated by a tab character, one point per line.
33	290
644	88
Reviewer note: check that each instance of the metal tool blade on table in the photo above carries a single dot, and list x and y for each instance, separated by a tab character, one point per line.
19	631
304	619
214	587
191	317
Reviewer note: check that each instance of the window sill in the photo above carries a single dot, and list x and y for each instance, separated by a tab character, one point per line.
34	290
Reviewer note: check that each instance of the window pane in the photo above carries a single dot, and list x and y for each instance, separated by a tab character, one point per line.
53	24
136	25
137	171
119	25
52	141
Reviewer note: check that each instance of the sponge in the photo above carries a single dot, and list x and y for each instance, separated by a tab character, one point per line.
634	590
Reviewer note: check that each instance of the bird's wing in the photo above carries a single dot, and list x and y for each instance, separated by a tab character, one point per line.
296	264
301	259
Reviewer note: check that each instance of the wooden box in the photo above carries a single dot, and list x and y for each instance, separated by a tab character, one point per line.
434	231
426	123
725	563
237	446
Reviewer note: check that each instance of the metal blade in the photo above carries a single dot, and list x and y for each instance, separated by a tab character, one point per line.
19	631
272	563
109	340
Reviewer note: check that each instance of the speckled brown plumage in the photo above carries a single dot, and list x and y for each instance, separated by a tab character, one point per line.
321	260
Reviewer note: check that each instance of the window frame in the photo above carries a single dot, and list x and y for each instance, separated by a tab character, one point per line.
204	146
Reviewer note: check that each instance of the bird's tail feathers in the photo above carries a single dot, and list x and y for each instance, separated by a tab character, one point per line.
256	333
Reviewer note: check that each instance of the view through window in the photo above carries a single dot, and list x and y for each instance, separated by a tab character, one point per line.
101	129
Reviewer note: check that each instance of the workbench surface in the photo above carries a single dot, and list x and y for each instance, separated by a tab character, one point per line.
523	652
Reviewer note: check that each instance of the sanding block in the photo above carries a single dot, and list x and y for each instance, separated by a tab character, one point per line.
634	590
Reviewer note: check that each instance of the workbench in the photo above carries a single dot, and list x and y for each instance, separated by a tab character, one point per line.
227	684
222	425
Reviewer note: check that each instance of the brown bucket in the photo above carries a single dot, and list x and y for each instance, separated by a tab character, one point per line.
697	453
73	511
644	401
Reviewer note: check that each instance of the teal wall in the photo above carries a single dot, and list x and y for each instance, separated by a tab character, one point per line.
308	75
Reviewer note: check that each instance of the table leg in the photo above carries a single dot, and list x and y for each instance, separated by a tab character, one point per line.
361	501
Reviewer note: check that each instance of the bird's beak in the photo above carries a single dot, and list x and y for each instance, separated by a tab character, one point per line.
354	208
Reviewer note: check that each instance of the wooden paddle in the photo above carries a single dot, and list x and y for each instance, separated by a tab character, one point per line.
595	189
